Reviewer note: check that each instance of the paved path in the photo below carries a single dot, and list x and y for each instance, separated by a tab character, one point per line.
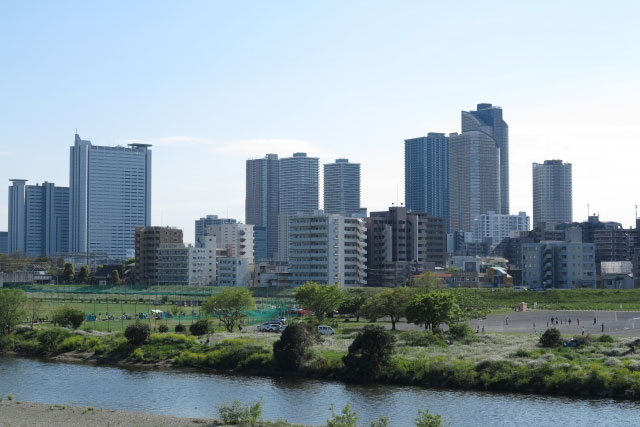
615	322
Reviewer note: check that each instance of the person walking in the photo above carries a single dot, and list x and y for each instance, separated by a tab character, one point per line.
578	319
602	326
507	320
583	330
594	320
569	322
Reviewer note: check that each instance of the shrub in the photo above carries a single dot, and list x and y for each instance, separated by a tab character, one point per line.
551	338
605	338
425	419
201	327
137	333
290	351
237	413
170	338
50	338
163	329
369	352
67	316
179	328
73	343
346	418
461	331
422	339
138	355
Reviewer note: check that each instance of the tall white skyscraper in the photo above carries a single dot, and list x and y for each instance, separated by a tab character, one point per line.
109	196
552	193
342	188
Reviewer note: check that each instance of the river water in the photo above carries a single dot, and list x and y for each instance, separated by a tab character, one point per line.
197	394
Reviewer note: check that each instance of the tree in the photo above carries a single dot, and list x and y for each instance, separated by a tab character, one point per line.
471	305
115	277
34	306
353	302
199	328
429	280
83	275
346	418
228	306
175	311
369	352
389	302
319	299
291	350
12	304
67	316
137	333
432	309
68	273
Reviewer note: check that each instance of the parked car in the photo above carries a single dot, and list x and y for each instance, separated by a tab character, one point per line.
282	328
325	330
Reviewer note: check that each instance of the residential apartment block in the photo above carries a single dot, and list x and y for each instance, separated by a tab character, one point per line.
262	205
38	219
109	196
342	188
401	243
147	242
327	248
497	227
552	193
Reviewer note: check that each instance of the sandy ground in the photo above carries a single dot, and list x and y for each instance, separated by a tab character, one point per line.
27	414
609	322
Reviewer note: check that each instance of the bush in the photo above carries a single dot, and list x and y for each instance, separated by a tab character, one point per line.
346	418
67	316
422	339
551	338
425	419
179	328
137	333
163	329
138	355
605	338
369	352
73	343
239	414
50	338
461	331
201	327
290	351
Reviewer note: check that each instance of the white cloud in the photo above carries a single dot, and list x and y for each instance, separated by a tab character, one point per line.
4	153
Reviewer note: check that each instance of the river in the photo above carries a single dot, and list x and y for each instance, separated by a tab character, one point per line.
197	394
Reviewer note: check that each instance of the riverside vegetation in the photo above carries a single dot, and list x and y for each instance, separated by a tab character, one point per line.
361	351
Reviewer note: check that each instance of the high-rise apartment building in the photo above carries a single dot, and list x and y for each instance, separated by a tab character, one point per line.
109	196
552	193
496	227
426	175
327	248
401	243
298	194
38	218
262	205
474	177
488	119
342	188
147	241
17	217
4	242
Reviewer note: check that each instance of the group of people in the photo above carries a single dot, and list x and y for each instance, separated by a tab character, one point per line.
555	320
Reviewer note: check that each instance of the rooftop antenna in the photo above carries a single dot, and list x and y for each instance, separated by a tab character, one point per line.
397	195
636	211
588	214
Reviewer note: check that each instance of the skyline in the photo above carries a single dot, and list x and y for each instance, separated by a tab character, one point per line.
354	82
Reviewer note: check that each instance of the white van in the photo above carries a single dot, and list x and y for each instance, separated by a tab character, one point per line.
325	330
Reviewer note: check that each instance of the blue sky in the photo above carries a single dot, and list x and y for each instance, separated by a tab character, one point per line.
211	84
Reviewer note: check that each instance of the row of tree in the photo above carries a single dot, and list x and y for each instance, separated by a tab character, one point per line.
424	305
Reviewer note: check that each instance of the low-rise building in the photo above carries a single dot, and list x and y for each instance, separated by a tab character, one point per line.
202	261
233	271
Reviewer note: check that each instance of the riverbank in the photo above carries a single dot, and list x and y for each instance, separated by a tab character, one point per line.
13	413
601	366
